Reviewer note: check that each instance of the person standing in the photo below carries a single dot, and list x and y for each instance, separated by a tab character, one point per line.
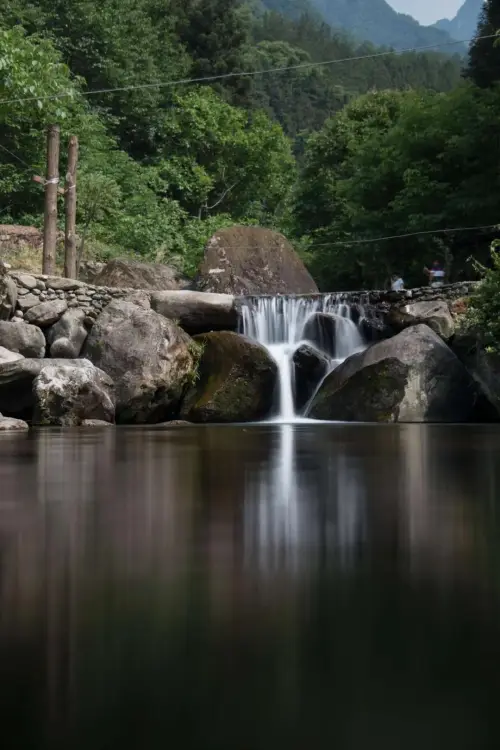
435	274
397	283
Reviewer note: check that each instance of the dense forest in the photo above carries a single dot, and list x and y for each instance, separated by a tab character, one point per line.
336	156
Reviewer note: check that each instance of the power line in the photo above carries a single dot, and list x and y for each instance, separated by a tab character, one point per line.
243	74
402	236
18	158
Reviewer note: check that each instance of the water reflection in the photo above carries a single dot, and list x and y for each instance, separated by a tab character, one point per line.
280	585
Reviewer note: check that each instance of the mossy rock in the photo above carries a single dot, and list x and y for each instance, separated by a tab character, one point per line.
373	394
236	380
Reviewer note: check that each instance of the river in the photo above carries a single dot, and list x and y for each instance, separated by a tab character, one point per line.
261	587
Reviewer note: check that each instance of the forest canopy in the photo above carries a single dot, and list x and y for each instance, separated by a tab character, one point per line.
335	156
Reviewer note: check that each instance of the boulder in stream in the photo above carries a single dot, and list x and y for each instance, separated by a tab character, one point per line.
435	314
16	383
236	380
66	395
67	336
197	312
310	367
151	360
412	377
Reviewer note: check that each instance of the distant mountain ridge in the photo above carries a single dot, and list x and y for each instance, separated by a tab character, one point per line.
371	20
464	25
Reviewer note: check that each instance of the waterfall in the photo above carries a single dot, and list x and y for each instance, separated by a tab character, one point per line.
283	324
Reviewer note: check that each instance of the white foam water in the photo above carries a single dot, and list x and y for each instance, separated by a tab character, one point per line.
279	324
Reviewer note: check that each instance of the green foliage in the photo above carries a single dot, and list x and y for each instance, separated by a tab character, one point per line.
395	164
483	313
484	54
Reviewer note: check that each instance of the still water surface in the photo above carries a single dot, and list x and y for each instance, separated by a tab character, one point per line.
251	588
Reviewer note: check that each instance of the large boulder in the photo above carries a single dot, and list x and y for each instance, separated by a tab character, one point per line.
310	367
67	336
251	260
150	359
235	383
20	337
16	383
197	312
8	293
47	313
132	274
66	395
412	377
436	315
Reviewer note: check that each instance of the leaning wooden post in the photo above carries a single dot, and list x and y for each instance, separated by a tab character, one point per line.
50	217
70	210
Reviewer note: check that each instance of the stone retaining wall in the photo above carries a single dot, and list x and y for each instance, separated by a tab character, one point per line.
35	289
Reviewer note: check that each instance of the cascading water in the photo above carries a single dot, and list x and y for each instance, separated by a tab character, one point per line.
283	324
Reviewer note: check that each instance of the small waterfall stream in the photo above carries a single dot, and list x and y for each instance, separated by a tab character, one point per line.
283	324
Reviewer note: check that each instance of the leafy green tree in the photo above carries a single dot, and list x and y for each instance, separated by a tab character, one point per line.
484	54
219	159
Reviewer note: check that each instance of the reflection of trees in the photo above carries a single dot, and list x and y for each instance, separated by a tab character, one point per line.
235	588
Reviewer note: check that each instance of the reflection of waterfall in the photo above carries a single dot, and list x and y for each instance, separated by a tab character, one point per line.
302	505
282	324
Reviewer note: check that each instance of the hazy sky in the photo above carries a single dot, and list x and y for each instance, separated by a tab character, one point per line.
427	11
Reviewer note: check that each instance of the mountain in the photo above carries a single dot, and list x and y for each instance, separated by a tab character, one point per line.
371	20
464	25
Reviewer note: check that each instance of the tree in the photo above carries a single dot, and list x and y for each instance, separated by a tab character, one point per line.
484	54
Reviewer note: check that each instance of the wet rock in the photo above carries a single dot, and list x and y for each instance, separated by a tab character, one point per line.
20	337
65	395
311	366
123	273
150	359
197	312
95	423
67	336
45	314
235	383
412	377
252	260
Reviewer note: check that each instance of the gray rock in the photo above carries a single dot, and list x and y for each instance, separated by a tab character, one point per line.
67	336
150	359
65	395
131	274
236	380
8	424
25	339
311	366
197	312
65	285
40	284
436	315
28	301
7	356
484	366
46	313
19	314
252	260
27	281
16	383
8	294
95	423
412	377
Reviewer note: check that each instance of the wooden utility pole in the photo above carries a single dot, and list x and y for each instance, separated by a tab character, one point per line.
70	210
50	217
